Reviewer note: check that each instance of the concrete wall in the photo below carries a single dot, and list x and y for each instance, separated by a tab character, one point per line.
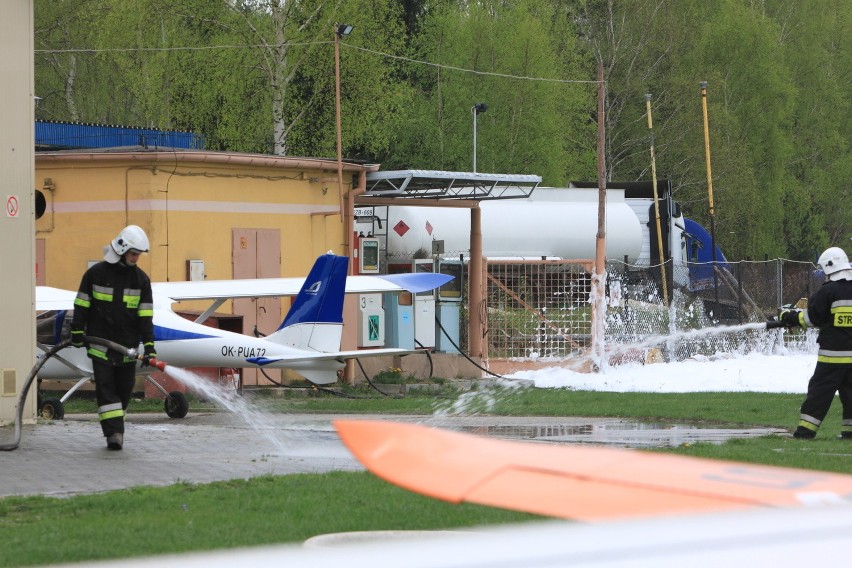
17	251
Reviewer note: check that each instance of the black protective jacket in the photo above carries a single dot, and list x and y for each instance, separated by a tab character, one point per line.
830	309
115	302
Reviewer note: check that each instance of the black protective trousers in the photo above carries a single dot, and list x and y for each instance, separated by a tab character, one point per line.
828	379
113	387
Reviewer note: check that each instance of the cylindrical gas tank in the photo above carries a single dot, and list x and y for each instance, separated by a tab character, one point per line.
559	223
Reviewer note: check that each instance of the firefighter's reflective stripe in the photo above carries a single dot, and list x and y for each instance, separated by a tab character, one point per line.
830	356
83	300
809	422
108	411
146	310
842	312
98	351
102	293
131	298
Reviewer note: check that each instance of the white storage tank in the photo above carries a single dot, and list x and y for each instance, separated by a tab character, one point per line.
552	222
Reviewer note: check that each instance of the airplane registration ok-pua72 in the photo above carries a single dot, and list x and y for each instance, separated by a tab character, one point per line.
308	340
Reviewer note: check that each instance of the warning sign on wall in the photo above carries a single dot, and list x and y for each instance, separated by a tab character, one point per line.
13	208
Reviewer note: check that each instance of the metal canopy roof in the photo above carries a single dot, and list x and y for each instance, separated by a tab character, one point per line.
432	184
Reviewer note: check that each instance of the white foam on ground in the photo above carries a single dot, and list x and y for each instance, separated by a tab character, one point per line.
743	373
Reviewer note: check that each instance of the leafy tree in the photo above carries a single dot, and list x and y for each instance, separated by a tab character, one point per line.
811	35
483	55
258	75
71	84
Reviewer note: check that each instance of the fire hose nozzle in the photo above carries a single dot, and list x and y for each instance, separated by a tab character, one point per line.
161	365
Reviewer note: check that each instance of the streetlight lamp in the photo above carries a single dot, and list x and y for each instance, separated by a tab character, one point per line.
346	214
478	108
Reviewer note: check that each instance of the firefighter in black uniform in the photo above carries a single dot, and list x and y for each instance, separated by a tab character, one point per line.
114	302
829	309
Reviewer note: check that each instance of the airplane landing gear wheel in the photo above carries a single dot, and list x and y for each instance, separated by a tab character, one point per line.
52	409
176	405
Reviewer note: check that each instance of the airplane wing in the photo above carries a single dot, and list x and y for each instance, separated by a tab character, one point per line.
261	287
48	298
769	537
577	482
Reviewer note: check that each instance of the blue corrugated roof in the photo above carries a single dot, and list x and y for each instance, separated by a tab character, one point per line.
64	135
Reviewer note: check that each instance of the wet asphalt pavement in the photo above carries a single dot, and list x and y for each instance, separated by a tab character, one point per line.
66	457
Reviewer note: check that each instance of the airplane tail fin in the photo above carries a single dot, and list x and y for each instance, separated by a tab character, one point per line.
315	320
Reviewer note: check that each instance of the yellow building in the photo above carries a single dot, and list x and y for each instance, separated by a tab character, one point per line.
207	215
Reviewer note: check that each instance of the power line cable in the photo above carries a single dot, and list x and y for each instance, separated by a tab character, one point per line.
472	71
346	45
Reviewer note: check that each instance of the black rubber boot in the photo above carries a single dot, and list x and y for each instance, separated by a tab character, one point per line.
804	434
115	441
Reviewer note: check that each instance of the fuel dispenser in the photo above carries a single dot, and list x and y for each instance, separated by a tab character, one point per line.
424	309
371	314
400	320
449	307
371	328
368	255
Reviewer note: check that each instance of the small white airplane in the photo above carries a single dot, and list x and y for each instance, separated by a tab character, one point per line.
307	341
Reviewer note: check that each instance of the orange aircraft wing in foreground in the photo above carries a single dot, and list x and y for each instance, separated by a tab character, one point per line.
576	482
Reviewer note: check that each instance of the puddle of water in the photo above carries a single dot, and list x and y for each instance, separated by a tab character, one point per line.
622	433
469	406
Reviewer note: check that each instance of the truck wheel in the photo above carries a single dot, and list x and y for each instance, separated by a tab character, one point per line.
52	409
176	405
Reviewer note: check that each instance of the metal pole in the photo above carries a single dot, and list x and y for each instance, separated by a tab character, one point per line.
346	238
346	212
474	138
710	189
599	276
657	203
477	316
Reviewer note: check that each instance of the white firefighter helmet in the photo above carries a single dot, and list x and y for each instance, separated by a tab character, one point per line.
835	264
131	237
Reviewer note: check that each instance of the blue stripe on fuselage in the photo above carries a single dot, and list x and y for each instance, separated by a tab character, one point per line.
169	334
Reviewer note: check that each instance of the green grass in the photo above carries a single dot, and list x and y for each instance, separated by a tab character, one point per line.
184	517
267	510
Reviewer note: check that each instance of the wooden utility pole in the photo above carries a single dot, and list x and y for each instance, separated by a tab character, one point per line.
710	189
657	203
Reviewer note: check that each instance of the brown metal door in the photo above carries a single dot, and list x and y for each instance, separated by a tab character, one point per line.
257	254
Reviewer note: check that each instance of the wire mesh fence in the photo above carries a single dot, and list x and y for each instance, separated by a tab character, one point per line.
537	308
542	309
